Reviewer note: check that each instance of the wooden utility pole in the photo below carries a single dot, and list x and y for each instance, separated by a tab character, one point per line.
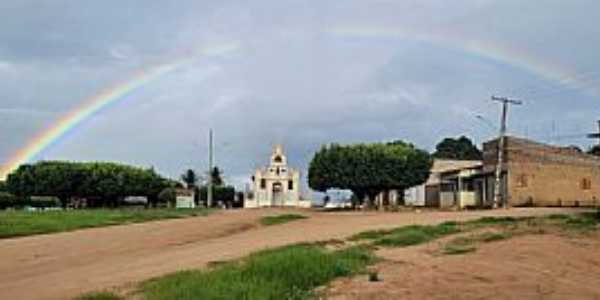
499	198
209	188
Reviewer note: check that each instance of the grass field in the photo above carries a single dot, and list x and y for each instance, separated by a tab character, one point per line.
21	223
281	219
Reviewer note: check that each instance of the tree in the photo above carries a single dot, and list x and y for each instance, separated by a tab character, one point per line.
595	150
107	183
217	176
225	194
168	195
189	178
368	169
461	148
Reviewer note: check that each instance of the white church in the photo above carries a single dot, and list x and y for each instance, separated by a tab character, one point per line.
276	185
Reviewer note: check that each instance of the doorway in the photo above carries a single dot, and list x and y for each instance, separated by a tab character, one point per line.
277	194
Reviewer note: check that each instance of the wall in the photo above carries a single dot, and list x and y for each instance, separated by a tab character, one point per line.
544	175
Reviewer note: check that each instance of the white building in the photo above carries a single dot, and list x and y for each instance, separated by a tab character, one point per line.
276	185
184	198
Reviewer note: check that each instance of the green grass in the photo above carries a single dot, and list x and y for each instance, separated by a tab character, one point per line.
416	234
369	235
583	222
99	296
466	244
281	219
286	273
494	221
454	249
21	223
488	237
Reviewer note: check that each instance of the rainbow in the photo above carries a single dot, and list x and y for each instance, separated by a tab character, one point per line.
563	76
101	101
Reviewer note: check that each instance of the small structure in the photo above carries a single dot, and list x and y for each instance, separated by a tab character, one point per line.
433	193
276	185
184	198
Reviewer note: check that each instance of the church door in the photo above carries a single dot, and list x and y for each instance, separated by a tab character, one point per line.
277	194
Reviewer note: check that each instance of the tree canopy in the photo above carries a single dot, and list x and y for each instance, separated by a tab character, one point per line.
189	178
461	148
217	176
107	182
594	150
367	169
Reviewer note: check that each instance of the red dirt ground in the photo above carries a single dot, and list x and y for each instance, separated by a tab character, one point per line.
64	265
528	267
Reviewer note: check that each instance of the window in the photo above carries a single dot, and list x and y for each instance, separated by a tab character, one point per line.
522	181
586	184
278	159
290	185
263	183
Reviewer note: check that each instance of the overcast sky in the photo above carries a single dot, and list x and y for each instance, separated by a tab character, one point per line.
302	73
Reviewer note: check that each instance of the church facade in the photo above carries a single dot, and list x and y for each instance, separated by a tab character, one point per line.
276	185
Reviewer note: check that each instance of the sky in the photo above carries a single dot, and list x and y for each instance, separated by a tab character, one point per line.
296	73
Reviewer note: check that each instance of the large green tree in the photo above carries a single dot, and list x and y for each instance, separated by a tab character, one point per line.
106	183
367	169
461	148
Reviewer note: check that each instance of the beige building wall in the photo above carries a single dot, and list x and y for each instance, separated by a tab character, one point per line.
543	175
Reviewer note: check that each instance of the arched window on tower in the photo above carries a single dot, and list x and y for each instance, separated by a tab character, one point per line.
278	159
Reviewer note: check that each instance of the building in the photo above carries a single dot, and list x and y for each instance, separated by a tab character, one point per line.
430	194
536	174
184	198
533	174
276	185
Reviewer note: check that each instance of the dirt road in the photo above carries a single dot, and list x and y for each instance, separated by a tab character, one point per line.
64	265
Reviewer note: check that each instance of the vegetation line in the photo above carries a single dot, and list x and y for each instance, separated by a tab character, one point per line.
281	219
21	223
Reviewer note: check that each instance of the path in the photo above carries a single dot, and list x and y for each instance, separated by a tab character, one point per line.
64	265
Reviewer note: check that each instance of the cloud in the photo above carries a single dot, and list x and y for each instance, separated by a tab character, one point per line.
301	73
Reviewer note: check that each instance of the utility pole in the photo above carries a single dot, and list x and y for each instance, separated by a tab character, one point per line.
498	195
595	135
209	191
